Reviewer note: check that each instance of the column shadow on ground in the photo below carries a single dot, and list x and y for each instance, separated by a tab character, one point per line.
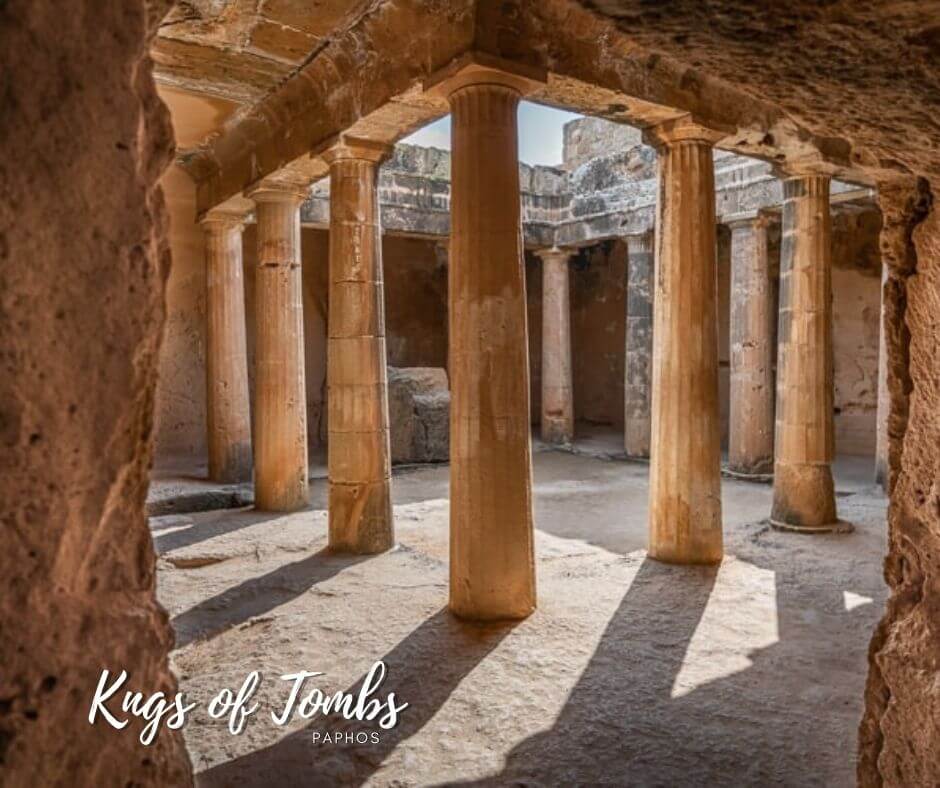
259	595
424	669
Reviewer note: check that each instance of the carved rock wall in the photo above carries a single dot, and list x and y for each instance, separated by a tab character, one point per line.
899	738
83	263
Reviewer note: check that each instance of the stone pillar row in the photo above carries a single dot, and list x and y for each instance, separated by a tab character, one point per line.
671	398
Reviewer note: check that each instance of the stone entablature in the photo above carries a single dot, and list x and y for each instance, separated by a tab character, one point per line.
590	198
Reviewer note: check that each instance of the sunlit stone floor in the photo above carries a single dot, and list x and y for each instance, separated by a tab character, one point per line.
630	672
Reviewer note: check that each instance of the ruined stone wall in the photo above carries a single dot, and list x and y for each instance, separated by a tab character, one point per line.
416	323
587	138
83	263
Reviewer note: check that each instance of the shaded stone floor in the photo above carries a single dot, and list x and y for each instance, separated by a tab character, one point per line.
630	672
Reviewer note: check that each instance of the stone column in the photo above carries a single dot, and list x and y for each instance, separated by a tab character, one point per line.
751	420
804	498
228	416
557	422
639	346
685	461
360	503
492	565
884	397
280	435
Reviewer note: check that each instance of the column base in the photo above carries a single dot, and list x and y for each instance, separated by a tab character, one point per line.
804	498
556	434
668	557
279	506
837	527
492	614
765	477
360	518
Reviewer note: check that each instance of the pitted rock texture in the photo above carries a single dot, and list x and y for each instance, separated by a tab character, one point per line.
83	262
900	733
419	414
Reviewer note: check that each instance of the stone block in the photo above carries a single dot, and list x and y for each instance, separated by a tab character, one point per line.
419	414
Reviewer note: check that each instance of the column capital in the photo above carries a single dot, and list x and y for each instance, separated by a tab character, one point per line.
217	219
683	129
479	69
348	148
269	190
556	252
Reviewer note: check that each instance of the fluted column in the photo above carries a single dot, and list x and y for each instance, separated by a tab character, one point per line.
557	423
359	458
884	397
751	406
280	435
492	569
637	401
228	417
804	497
685	461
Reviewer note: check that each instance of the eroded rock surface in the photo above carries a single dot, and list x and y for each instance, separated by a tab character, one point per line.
83	262
901	729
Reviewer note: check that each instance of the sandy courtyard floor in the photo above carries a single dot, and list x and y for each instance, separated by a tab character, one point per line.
630	672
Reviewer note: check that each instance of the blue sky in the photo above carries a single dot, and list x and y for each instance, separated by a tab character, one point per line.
540	135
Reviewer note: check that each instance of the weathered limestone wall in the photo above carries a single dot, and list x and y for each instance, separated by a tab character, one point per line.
588	138
83	264
179	420
900	732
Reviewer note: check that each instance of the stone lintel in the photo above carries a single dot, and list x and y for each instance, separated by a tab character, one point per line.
802	167
682	129
344	146
479	68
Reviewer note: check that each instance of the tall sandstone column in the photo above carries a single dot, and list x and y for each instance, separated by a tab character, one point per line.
228	415
280	436
685	461
804	498
492	564
557	422
751	421
637	399
360	504
884	397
